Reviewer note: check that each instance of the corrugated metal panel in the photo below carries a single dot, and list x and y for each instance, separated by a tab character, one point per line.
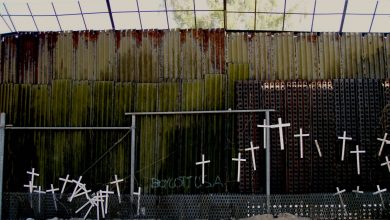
91	78
310	56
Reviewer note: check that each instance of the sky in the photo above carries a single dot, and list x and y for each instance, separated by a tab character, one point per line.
42	9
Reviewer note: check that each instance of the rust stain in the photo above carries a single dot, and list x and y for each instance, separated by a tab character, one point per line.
118	39
218	42
312	38
91	35
75	38
183	36
157	36
137	34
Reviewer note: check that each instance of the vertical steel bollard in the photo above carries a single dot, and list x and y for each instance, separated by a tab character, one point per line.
2	140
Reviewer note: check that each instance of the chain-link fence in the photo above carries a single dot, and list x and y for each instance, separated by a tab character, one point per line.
202	206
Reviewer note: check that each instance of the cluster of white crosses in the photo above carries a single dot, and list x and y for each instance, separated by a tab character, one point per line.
98	200
301	135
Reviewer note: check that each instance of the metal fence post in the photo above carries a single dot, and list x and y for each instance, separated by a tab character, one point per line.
132	157
2	140
268	161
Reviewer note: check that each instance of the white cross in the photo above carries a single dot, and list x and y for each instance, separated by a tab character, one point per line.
264	126
138	194
318	148
105	193
66	180
52	190
116	181
384	141
301	135
93	202
339	192
78	184
39	191
344	138
280	125
239	160
203	162
358	152
357	190
386	163
32	173
252	149
81	188
30	186
380	191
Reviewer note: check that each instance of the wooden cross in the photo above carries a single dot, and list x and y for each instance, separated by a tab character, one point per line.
30	186
358	152
39	191
116	182
32	173
280	125
264	126
318	148
339	192
301	135
105	194
384	141
357	190
52	190
252	149
239	160
203	162
380	191
138	194
66	180
386	163
78	184
344	138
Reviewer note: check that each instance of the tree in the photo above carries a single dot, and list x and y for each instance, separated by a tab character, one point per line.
213	19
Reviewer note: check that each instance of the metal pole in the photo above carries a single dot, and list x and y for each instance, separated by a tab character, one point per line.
132	157
8	127
2	140
268	160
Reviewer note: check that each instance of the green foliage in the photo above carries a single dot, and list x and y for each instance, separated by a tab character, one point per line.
215	18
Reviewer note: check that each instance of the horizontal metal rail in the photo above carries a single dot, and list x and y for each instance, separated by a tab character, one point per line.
200	112
10	127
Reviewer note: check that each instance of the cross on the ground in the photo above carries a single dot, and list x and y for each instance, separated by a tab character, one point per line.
318	148
105	195
52	190
32	173
93	202
138	194
301	135
78	184
39	191
358	152
357	190
203	162
66	180
339	192
239	160
116	182
252	149
384	141
280	125
264	126
380	191
30	186
82	188
344	138
386	163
